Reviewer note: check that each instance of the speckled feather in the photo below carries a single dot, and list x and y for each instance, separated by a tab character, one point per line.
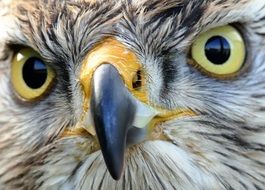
223	147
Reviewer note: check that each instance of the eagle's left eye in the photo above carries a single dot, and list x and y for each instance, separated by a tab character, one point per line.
30	75
219	52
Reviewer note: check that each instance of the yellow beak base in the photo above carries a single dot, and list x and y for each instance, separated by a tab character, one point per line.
111	51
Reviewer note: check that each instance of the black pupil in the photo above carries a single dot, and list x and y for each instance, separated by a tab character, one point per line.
217	50
34	73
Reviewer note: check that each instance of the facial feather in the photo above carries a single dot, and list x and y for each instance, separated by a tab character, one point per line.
221	148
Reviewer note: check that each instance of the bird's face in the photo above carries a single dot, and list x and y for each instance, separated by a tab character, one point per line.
166	94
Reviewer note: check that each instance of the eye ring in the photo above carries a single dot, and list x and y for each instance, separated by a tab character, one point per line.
31	77
221	64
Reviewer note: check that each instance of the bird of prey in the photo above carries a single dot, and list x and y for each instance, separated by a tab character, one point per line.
132	94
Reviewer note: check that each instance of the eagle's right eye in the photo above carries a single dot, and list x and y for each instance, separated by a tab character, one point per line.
30	75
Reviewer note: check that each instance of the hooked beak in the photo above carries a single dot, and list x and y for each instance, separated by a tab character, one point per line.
115	102
107	78
113	111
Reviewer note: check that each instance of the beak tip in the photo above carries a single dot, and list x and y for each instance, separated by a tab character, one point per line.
116	176
115	171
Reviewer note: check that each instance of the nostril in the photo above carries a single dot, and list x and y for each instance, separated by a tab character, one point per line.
137	80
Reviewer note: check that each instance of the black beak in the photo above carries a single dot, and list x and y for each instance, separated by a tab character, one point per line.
113	111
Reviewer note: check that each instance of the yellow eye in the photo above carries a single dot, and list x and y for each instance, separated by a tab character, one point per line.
30	75
219	52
